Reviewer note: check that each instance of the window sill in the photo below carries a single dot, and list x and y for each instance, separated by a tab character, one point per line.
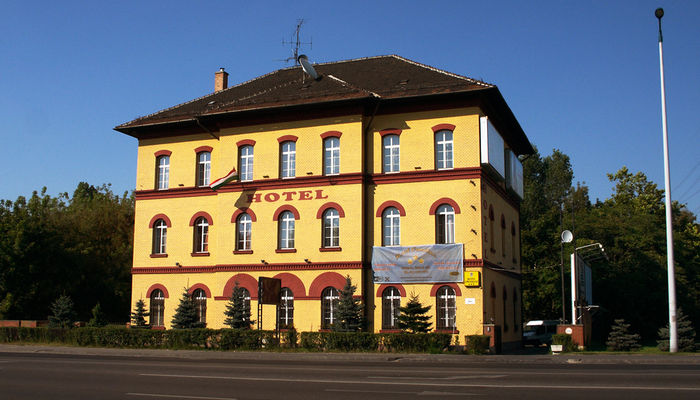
205	254
324	249
390	331
285	250
158	328
447	330
160	255
243	252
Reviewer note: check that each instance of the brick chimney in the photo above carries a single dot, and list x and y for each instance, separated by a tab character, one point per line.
220	80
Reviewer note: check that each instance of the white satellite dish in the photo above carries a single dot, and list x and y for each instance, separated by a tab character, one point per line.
306	66
567	236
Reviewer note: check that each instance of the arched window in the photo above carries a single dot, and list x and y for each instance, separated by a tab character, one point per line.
246	301
329	307
288	159
162	172
391	227
391	301
331	228
446	306
286	230
160	232
199	298
445	224
443	150
245	163
157	308
286	308
505	315
203	168
201	235
244	227
331	156
390	144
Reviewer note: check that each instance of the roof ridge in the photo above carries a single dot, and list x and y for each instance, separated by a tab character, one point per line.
466	78
345	83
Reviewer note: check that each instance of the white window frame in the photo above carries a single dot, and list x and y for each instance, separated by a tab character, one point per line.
331	228
288	159
444	150
391	224
245	163
203	168
446	306
199	297
286	230
389	295
201	232
329	298
160	233
391	154
331	156
287	307
157	308
163	174
445	224
244	229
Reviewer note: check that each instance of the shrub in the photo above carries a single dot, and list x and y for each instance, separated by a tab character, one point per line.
685	332
291	337
620	339
62	313
565	341
477	344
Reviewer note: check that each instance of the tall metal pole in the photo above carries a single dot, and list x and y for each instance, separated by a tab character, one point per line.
672	324
561	264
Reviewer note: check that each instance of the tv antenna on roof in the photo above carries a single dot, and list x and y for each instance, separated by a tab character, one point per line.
296	43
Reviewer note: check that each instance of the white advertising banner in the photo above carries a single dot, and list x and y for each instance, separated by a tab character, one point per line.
418	264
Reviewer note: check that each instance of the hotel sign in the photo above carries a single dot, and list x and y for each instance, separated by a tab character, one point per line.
418	264
472	279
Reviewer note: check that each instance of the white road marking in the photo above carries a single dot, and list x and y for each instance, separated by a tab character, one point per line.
448	378
175	396
441	384
424	393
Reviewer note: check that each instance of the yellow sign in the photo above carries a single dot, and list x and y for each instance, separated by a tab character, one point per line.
472	278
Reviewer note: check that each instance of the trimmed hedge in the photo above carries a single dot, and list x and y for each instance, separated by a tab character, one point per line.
477	344
565	340
364	341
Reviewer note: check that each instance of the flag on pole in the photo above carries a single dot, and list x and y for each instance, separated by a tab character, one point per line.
222	181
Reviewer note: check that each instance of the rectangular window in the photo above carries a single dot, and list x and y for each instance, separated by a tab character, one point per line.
443	150
391	153
245	163
288	160
331	156
163	172
203	168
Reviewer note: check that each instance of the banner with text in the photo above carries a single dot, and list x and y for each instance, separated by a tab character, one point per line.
418	264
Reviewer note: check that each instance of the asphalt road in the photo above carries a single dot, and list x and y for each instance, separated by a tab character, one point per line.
135	376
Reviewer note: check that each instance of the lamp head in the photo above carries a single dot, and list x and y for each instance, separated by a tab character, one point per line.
659	13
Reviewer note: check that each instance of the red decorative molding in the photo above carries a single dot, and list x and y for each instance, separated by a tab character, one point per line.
163	153
245	281
243	210
204	214
157	286
437	286
243	252
442	201
341	212
159	255
327	249
385	132
328	134
334	265
284	208
287	138
427	176
203	148
447	330
173	193
203	254
398	286
293	283
442	127
324	280
202	286
391	203
390	331
285	250
245	142
157	217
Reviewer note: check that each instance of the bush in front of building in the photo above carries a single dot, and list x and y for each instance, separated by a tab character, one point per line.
620	339
415	342
186	314
414	318
477	344
238	310
138	317
566	342
366	341
349	318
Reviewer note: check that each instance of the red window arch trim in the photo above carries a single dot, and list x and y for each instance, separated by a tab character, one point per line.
341	212
245	142
202	286
385	132
442	127
434	289
244	210
201	214
293	283
442	201
328	134
162	153
203	148
287	138
398	286
157	286
284	208
391	203
245	281
324	280
157	217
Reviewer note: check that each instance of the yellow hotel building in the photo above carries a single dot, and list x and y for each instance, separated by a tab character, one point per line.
373	152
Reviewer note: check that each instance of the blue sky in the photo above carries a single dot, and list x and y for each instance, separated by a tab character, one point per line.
580	76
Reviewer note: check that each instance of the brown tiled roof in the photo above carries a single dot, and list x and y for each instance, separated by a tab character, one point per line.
384	77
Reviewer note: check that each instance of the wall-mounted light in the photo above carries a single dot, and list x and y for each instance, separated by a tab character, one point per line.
177	264
306	260
263	261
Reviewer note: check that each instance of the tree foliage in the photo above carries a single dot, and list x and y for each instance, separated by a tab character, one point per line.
413	317
138	316
238	310
62	313
685	331
621	339
349	317
98	317
186	313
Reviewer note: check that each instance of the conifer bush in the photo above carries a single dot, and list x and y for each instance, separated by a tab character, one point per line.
62	313
98	317
349	310
413	318
138	316
238	310
685	332
186	314
620	339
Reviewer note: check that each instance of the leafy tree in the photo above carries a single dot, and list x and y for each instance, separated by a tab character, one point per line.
238	310
62	313
685	331
98	317
413	318
138	317
349	310
186	314
620	339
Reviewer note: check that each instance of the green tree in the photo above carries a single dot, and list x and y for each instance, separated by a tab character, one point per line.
413	318
62	313
186	314
349	317
138	316
98	317
620	339
238	310
685	331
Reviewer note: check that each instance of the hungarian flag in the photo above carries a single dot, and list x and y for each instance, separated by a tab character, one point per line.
222	181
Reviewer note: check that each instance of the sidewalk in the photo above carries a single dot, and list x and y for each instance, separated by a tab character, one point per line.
571	358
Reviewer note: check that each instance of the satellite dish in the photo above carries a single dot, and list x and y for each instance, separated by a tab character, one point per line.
306	66
567	237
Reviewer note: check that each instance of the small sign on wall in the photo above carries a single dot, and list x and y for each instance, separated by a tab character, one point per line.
472	278
469	300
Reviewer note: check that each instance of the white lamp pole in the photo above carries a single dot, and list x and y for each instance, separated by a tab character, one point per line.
672	324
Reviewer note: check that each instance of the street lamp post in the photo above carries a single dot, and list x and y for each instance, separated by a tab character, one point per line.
672	324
